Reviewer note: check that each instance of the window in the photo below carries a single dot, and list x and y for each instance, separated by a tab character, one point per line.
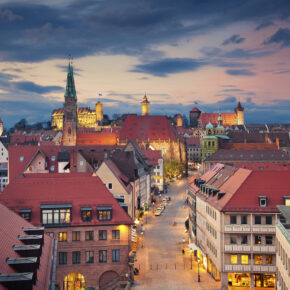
269	240
263	201
86	213
258	259
245	259
115	255
52	168
81	163
62	258
115	235
76	257
268	220
21	159
52	158
258	240
233	240
102	235
110	185
258	220
76	236
104	214
269	259
234	259
89	235
233	219
26	214
51	234
244	220
62	237
89	257
287	200
244	240
55	216
103	256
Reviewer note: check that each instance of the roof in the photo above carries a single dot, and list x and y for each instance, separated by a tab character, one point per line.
195	109
11	226
147	128
285	211
193	142
229	119
24	139
153	156
248	146
262	166
97	138
223	155
70	90
24	193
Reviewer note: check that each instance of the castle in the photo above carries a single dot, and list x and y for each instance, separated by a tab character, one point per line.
199	119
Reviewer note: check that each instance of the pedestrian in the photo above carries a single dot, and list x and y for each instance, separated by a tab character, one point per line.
183	251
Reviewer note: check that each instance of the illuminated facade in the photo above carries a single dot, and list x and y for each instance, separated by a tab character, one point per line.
145	106
1	127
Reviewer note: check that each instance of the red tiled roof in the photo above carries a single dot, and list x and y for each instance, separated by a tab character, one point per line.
273	184
97	138
248	146
153	156
81	190
193	142
229	119
21	139
262	166
11	225
195	109
147	127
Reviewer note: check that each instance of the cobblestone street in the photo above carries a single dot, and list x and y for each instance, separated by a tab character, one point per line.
159	256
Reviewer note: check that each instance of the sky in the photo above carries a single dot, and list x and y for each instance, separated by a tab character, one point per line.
185	53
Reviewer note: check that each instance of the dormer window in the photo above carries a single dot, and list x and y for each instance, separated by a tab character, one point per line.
86	213
26	214
263	201
104	213
287	200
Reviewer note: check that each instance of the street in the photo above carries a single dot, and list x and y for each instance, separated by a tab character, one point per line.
160	260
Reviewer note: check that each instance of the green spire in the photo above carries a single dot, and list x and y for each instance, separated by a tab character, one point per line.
70	90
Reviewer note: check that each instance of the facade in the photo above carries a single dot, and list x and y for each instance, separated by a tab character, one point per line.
3	178
199	119
23	249
1	127
233	225
193	149
283	248
92	229
145	106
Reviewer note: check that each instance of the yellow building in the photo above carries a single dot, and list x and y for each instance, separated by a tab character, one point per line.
145	106
87	118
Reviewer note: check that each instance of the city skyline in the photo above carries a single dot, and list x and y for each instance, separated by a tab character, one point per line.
181	54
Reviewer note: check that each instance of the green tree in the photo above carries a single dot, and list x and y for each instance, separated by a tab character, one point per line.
173	170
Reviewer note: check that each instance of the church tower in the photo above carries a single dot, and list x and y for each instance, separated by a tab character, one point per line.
1	127
240	114
99	112
145	106
70	116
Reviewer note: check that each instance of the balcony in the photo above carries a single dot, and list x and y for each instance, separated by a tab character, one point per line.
263	229
237	248
237	228
264	249
250	268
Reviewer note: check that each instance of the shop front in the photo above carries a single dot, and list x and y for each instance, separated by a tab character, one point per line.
212	270
264	280
243	280
239	279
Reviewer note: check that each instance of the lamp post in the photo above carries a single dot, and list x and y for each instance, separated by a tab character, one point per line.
190	259
198	275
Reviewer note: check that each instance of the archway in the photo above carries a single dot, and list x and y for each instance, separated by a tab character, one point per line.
108	279
74	281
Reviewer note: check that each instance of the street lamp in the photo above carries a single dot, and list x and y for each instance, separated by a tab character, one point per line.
191	259
198	276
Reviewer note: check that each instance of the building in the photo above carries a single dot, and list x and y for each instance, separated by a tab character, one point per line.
193	149
234	226
1	127
145	106
199	119
27	256
92	229
283	247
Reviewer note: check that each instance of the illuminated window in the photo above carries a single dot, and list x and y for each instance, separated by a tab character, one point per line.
62	237
86	213
104	213
269	259
234	259
26	214
258	259
115	235
245	259
89	235
258	240
287	200
76	236
56	214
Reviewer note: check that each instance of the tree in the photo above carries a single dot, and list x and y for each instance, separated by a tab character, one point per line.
173	170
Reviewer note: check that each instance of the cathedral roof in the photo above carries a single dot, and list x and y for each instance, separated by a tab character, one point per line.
209	125
239	107
229	119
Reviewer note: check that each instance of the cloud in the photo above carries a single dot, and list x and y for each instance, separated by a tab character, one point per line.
167	66
282	72
236	39
240	72
264	25
34	88
282	36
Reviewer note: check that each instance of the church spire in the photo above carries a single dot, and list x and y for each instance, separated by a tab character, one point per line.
70	90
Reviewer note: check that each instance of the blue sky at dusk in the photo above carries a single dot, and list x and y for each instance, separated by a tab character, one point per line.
182	53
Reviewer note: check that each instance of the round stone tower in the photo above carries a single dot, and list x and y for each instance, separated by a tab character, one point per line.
145	106
99	112
240	114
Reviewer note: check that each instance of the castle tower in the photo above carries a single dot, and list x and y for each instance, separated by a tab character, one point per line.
1	127
240	114
179	121
70	116
99	112
145	106
194	116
